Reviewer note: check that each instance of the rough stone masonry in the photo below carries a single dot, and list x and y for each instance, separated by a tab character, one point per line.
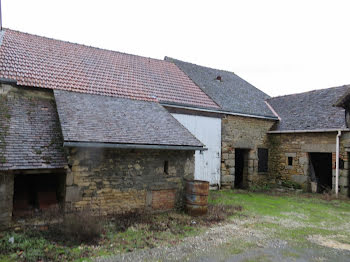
242	133
113	180
298	146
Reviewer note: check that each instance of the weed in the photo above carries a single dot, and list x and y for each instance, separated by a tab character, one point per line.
218	213
81	227
291	184
261	187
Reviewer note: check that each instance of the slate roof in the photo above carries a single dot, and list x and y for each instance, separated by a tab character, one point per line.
343	101
232	93
310	110
95	118
36	61
30	136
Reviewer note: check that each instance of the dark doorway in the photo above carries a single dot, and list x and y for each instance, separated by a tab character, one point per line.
241	168
321	171
37	192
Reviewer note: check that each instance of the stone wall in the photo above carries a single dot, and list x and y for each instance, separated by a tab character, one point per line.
298	146
6	198
115	180
244	133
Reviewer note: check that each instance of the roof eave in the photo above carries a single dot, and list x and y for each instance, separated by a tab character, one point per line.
218	111
132	146
308	131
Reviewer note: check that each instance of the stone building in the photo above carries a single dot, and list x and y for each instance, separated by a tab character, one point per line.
87	127
245	121
303	144
83	127
285	140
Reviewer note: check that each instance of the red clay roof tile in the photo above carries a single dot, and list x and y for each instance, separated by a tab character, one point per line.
47	63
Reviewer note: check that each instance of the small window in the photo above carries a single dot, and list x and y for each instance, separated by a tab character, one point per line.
263	154
290	161
166	167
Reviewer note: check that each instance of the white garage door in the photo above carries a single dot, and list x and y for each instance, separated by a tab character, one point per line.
208	131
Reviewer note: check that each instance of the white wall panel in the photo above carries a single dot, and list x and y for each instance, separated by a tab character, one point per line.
208	131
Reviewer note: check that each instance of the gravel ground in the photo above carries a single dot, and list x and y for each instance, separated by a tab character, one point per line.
215	236
237	243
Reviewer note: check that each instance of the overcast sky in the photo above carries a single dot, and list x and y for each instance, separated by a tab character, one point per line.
279	46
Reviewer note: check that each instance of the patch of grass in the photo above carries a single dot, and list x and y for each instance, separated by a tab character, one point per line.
291	217
313	210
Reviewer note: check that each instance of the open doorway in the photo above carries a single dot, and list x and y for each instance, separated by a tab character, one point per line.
321	171
241	167
34	193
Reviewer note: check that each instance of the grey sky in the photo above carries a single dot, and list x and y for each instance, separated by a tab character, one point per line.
279	46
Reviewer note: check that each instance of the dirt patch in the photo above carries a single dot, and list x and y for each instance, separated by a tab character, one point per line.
328	242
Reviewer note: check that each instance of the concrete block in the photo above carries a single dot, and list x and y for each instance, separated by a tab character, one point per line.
232	171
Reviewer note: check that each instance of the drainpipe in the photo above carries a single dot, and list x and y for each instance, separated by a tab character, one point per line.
337	164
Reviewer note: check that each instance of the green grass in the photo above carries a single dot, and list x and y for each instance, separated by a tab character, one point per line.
313	210
291	217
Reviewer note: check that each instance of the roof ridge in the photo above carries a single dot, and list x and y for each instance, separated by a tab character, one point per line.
211	68
83	45
311	91
167	57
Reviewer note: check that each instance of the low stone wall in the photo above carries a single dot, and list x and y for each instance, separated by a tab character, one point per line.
245	133
298	146
6	199
113	180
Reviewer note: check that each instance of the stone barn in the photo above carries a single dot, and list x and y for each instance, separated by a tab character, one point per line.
244	120
83	127
310	144
88	127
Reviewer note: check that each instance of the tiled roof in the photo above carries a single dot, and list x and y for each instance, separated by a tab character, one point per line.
310	110
30	136
230	92
103	119
36	61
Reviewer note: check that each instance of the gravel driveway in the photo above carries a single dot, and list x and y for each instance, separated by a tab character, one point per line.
234	242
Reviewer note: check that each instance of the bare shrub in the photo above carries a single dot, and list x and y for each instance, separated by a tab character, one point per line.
130	218
219	213
81	226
